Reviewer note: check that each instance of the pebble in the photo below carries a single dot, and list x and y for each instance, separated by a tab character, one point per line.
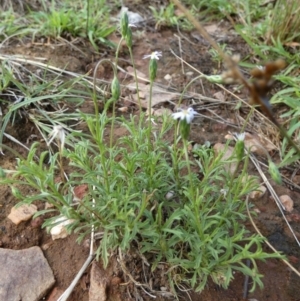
60	231
168	77
256	194
287	202
22	213
169	195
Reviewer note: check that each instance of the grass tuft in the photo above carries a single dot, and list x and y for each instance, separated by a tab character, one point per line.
284	23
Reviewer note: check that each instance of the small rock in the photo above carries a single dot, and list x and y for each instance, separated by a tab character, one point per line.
98	284
24	275
22	213
123	109
256	194
133	18
168	77
60	231
169	195
287	202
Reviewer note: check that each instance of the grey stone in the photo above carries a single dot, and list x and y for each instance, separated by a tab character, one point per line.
24	274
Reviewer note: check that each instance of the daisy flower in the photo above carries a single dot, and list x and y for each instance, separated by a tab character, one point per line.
153	56
240	146
240	137
185	114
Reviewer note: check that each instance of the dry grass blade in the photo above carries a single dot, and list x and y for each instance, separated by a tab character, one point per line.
15	59
15	141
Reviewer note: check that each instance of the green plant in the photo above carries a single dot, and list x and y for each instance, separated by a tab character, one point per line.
198	231
71	19
28	96
11	24
216	56
217	9
284	22
166	16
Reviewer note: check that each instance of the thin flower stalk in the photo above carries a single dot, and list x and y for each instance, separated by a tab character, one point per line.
58	133
185	117
154	57
127	36
135	78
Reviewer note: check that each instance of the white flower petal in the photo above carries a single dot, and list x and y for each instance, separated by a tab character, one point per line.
58	133
185	114
240	137
178	115
146	56
153	56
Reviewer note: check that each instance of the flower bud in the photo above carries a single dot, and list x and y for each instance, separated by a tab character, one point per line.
152	69
274	172
124	24
184	129
239	150
128	38
115	88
